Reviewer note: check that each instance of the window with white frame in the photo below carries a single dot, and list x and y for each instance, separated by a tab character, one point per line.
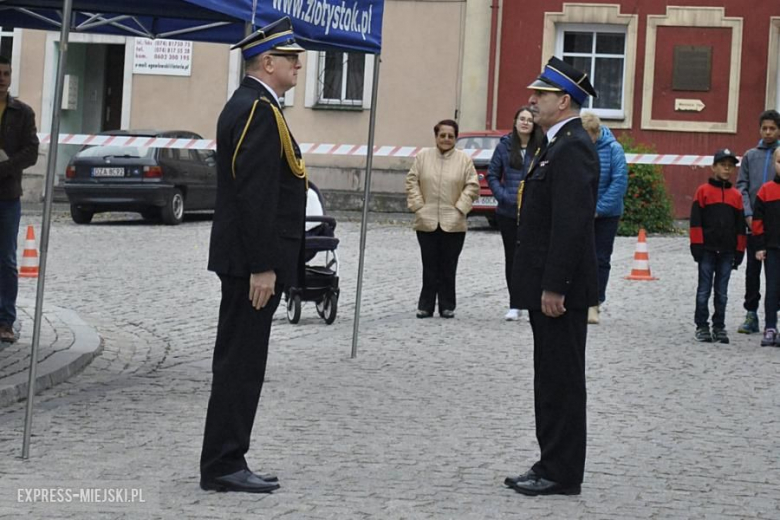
6	42
600	51
341	78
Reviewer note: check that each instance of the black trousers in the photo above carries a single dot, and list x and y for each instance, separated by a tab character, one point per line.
240	355
440	252
752	277
508	228
559	394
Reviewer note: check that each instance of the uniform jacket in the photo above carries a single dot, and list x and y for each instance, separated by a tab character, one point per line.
19	141
717	221
260	212
766	216
755	169
503	179
613	175
440	190
555	241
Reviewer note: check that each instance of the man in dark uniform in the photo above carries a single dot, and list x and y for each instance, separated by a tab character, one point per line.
256	243
555	276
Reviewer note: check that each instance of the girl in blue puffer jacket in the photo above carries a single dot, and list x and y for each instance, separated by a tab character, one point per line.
613	182
507	168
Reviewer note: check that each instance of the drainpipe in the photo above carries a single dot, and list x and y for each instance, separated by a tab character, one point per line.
495	35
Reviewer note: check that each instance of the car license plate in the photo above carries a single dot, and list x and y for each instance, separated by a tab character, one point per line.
486	201
108	172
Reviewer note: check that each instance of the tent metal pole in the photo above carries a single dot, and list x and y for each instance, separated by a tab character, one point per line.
67	9
366	194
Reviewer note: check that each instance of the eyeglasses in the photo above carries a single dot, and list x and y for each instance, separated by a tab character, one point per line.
292	57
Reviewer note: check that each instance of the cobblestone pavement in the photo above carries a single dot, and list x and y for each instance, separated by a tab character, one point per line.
424	424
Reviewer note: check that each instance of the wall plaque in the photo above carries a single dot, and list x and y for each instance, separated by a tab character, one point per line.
692	68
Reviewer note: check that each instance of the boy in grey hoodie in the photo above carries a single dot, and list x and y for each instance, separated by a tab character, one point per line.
755	169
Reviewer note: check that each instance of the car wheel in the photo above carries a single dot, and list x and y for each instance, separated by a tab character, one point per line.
492	222
173	211
80	215
294	308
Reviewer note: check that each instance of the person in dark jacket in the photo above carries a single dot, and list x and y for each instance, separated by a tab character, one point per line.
766	233
755	170
256	249
18	150
613	182
507	168
555	276
718	240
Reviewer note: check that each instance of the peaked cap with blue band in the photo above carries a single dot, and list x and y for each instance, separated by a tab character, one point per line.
559	76
276	36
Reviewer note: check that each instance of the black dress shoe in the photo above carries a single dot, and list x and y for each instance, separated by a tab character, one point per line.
242	481
541	486
511	481
447	313
424	314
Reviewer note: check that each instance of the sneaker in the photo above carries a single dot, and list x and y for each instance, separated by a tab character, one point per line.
750	325
769	338
720	336
703	334
423	314
7	334
447	313
512	315
593	315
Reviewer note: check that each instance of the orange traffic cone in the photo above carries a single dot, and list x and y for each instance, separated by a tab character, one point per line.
641	269
29	267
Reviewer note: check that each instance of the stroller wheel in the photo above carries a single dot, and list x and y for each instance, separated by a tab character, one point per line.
329	308
321	307
294	308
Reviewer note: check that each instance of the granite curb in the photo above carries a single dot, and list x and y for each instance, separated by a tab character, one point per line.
60	365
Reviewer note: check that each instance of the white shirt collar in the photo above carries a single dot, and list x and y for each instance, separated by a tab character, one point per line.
553	131
269	89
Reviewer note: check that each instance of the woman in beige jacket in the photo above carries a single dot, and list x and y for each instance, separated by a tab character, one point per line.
440	189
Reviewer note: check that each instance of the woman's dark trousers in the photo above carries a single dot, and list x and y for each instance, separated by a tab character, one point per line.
508	228
440	252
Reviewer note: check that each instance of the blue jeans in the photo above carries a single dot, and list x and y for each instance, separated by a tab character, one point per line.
10	214
605	229
717	265
772	274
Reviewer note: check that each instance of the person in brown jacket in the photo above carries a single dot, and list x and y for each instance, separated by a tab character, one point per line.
18	150
440	189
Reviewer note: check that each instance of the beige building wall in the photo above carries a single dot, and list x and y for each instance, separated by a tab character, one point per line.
476	61
184	103
418	84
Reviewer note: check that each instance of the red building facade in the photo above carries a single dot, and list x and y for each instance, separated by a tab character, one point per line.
686	79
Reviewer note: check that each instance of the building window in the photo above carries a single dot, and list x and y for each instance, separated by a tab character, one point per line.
341	78
338	79
601	52
6	42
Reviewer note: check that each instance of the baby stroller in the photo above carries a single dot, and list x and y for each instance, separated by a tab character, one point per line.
321	278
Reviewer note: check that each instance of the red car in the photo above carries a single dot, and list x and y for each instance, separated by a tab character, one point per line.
485	205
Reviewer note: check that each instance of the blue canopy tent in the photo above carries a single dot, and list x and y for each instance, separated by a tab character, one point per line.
322	25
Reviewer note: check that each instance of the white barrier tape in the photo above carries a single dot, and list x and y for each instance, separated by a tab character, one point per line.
355	150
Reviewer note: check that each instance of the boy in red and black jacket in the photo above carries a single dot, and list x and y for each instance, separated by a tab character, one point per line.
717	243
766	233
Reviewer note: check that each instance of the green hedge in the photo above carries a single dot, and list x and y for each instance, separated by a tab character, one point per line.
647	203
